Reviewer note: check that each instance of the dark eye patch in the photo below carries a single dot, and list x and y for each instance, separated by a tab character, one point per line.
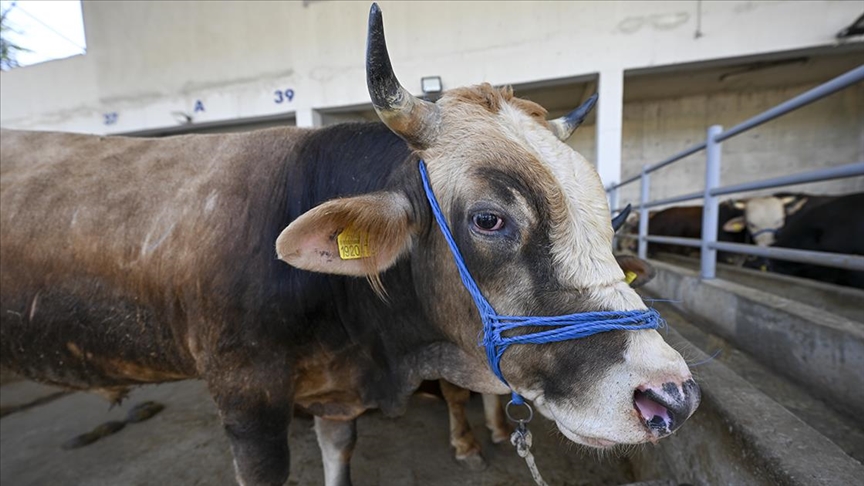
506	184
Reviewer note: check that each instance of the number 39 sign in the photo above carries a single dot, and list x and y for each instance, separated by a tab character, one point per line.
283	96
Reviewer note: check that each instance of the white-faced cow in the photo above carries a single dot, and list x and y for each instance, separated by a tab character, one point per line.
129	261
764	217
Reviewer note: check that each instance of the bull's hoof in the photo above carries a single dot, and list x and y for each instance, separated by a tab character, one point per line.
501	435
472	462
108	428
143	411
103	430
79	441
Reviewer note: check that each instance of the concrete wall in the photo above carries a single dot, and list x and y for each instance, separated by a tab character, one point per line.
149	61
827	133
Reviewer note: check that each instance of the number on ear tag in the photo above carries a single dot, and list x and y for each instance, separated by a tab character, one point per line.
630	276
353	245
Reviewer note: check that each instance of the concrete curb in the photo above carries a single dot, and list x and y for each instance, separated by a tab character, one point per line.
810	346
741	436
836	299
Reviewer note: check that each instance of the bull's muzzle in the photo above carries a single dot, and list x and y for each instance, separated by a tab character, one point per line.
665	408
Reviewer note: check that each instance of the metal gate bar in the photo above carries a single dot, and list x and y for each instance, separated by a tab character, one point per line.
713	150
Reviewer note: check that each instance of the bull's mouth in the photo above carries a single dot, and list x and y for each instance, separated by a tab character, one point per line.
644	435
656	418
578	438
657	412
585	440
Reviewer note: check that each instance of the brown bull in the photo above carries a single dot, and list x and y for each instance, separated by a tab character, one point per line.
130	261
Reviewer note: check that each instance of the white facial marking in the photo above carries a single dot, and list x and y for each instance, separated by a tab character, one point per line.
582	248
764	213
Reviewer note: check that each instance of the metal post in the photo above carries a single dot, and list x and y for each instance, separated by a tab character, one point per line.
710	214
645	190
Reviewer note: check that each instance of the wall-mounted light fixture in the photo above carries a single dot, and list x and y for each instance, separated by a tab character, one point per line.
431	86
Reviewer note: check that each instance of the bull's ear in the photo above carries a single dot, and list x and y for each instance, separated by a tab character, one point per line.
734	225
638	272
359	236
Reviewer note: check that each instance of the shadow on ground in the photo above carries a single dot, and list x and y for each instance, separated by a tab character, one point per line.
184	445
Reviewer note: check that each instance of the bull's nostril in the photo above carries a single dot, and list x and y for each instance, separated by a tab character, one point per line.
657	423
666	407
656	416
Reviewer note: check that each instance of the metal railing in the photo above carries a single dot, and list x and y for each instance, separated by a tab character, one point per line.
713	153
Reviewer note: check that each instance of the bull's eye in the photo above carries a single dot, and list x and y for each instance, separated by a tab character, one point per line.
488	222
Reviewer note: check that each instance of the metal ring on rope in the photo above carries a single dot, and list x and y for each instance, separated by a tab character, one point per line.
523	420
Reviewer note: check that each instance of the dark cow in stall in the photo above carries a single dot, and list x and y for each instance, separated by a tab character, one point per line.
836	226
682	222
686	222
129	261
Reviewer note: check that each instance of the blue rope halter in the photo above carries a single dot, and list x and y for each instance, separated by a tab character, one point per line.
558	328
773	231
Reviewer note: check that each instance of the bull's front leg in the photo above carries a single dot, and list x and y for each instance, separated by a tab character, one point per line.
336	438
461	437
495	419
256	412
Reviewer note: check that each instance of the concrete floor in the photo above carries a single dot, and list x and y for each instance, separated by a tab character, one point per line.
184	445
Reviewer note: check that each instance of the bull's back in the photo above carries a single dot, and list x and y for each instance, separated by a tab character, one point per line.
834	225
683	222
108	246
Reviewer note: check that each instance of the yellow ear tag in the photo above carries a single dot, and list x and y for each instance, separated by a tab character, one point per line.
630	276
353	245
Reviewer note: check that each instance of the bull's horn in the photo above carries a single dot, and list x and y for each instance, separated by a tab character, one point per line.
618	221
565	126
411	118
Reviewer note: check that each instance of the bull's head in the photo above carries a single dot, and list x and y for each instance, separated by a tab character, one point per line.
530	217
764	216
